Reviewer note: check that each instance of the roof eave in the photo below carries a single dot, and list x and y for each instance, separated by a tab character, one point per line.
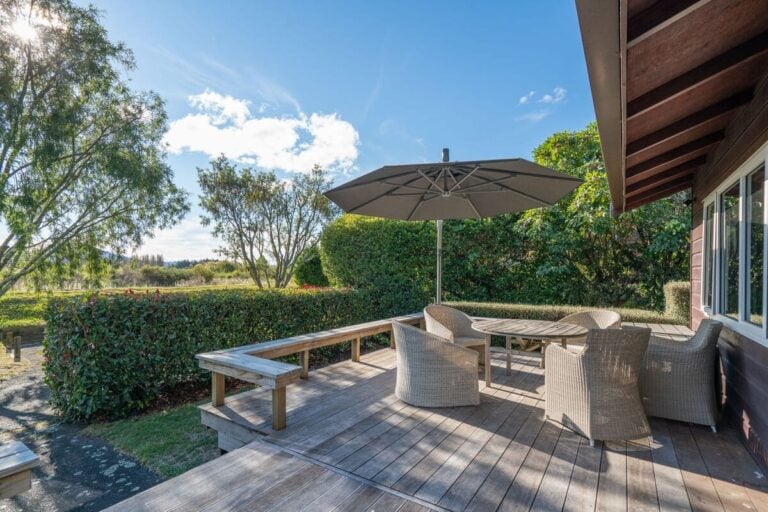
603	33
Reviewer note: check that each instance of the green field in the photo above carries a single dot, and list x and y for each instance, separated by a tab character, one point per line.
22	311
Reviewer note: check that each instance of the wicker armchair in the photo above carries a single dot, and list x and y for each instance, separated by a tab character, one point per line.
597	319
677	380
432	371
595	392
453	325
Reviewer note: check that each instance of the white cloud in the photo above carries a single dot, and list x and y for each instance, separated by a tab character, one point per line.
188	240
223	124
526	98
220	108
558	95
533	117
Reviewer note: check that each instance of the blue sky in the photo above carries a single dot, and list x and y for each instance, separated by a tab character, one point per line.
352	85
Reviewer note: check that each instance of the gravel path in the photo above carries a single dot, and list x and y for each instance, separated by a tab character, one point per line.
78	472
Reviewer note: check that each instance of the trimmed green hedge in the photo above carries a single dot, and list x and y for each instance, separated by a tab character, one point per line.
109	356
677	301
309	269
553	313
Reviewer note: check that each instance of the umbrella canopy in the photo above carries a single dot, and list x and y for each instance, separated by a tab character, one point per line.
453	190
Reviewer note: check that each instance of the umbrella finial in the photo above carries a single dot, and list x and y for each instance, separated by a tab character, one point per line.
446	158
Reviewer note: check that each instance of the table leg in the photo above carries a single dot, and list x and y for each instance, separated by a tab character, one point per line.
564	342
544	345
488	360
509	355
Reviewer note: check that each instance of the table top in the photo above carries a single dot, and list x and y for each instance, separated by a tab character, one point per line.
529	328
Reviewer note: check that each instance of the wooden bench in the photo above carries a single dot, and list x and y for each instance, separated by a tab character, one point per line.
252	363
16	464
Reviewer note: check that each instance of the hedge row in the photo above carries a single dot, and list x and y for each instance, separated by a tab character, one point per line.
108	356
552	313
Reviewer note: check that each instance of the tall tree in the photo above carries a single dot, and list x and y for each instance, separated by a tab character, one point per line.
82	164
264	222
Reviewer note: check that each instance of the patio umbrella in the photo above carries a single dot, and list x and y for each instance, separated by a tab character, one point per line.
452	190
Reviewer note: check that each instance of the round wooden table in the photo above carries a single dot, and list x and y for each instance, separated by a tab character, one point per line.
542	330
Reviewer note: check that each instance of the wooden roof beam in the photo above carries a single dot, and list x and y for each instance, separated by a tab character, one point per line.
658	16
667	190
678	155
690	122
707	71
664	177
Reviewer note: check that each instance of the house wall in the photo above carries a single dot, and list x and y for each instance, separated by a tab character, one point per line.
743	365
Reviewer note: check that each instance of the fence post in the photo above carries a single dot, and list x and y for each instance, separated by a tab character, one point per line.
7	343
17	349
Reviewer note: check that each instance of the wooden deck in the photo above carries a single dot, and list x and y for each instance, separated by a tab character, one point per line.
351	445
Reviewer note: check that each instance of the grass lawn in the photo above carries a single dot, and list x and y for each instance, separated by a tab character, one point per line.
10	369
169	442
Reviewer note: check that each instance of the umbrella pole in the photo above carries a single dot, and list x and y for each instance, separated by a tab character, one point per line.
439	287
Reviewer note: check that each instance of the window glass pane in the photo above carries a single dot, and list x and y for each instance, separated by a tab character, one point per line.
709	253
755	249
729	276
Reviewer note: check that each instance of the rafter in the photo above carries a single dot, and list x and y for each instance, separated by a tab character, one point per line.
705	72
689	123
675	156
685	169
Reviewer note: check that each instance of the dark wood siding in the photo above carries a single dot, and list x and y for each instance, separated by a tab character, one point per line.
743	361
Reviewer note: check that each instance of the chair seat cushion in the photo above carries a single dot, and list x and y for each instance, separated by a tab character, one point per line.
469	341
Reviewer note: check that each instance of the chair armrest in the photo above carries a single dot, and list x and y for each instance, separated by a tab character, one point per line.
440	330
564	368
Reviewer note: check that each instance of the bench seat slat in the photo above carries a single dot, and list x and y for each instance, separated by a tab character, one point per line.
12	448
294	344
18	462
271	374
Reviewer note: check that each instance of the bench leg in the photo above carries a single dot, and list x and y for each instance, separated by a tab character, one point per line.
15	484
278	409
304	364
356	350
217	389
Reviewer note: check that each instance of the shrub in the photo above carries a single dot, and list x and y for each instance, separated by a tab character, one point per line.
309	269
552	313
677	301
108	356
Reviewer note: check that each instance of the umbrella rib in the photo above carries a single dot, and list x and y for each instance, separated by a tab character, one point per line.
473	207
423	175
515	191
467	175
409	187
398	175
488	182
366	203
531	174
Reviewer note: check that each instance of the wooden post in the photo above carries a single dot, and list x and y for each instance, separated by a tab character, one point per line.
304	364
278	408
17	349
217	389
8	343
356	350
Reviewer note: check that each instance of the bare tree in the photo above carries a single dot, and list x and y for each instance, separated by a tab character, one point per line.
264	222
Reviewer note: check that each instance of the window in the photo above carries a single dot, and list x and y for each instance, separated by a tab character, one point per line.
709	254
755	245
734	270
729	270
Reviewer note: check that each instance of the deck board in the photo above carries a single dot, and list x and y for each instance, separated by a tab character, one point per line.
351	445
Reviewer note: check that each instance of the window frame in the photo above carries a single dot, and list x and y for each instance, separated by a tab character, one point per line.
740	176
